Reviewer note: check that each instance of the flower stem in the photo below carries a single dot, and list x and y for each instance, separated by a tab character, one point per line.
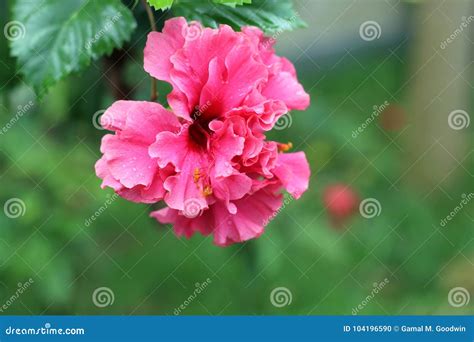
151	19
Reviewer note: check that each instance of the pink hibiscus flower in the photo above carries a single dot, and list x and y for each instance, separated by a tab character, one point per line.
208	158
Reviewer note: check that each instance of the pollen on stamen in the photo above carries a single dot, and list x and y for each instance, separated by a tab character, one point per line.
285	147
207	190
196	175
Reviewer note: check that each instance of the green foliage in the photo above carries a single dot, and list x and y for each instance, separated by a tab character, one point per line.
62	37
270	15
59	38
160	4
232	3
166	4
47	159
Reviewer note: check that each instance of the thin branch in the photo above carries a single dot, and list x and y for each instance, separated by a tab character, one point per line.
113	72
151	19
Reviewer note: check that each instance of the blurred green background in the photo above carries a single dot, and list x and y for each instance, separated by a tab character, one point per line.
408	158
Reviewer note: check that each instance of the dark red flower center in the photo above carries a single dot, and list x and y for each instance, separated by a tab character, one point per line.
199	132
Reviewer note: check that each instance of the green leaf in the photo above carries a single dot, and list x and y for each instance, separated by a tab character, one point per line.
232	3
61	37
160	4
270	15
166	4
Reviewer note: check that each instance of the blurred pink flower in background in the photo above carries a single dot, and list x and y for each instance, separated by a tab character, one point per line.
341	202
208	158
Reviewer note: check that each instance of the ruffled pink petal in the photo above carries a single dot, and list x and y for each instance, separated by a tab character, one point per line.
225	145
182	225
145	194
126	165
266	160
253	139
231	80
142	194
253	213
200	47
191	65
183	193
286	65
262	44
161	46
139	120
208	68
102	170
185	189
180	104
170	148
282	82
128	161
231	188
293	171
181	55
263	115
285	87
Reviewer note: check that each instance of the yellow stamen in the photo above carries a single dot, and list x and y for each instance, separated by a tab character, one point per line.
196	175
207	190
285	147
